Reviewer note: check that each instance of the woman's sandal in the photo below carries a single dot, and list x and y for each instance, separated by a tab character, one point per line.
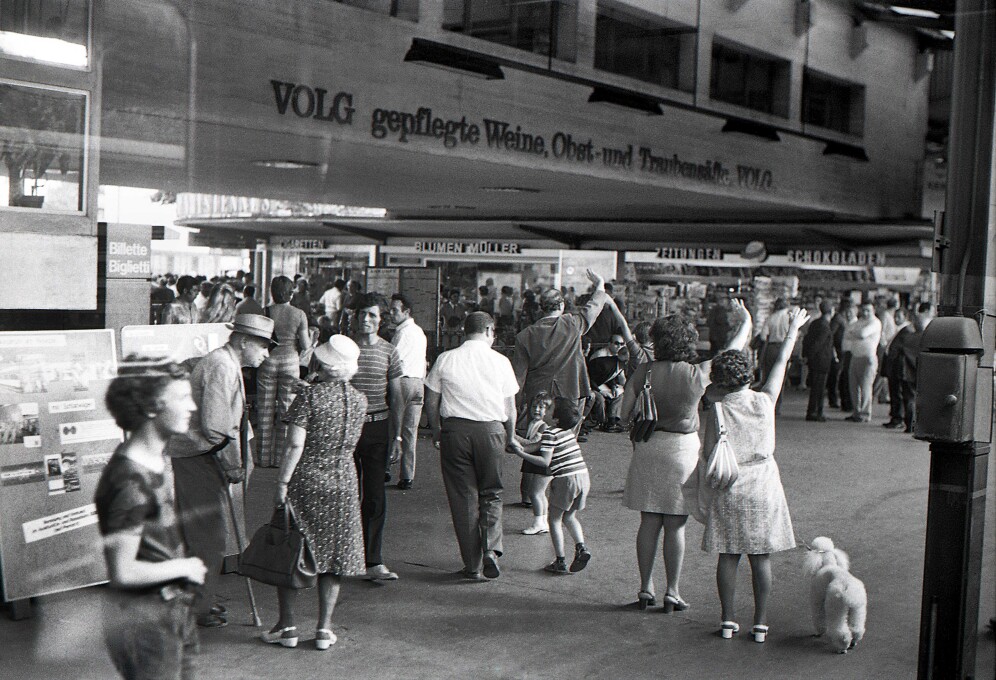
728	629
760	632
673	603
324	638
646	599
286	636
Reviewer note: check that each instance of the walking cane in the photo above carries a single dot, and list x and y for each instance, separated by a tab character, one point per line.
240	539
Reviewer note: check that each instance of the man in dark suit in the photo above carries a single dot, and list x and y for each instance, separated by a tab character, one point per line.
840	391
818	351
900	408
907	357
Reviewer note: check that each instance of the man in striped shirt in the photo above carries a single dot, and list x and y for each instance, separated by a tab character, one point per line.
559	452
379	378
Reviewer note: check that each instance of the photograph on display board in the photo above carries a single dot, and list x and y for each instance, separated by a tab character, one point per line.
19	424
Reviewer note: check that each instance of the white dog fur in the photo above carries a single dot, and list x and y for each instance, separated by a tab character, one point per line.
838	600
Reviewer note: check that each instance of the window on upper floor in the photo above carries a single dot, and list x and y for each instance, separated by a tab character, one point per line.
42	141
832	103
750	79
646	47
547	27
51	32
402	9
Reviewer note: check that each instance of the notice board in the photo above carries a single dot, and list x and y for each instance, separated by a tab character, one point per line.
421	286
177	342
56	436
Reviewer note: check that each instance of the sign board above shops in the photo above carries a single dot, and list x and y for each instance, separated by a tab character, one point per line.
468	247
806	259
505	137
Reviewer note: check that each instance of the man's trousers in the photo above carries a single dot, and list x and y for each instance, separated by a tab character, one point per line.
471	458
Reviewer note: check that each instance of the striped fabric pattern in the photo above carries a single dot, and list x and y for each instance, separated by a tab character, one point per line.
378	363
274	382
566	459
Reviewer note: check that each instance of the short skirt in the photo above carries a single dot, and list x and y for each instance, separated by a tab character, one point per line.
658	469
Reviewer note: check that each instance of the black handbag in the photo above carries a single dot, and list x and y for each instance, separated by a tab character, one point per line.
279	553
644	413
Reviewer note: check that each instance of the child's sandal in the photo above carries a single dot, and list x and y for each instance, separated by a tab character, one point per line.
760	632
728	629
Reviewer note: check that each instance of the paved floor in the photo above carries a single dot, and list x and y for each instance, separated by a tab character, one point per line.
862	485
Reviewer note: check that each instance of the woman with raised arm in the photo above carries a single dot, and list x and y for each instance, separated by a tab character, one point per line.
661	465
751	516
149	622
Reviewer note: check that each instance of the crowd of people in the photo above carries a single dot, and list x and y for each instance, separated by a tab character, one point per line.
335	412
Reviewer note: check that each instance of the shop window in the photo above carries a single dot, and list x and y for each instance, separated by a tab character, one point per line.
547	27
833	104
749	79
645	47
54	32
41	147
401	9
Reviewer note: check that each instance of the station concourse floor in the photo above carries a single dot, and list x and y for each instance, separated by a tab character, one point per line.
860	484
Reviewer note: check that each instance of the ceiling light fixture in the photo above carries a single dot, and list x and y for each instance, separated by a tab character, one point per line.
452	59
752	128
631	101
510	190
285	164
451	207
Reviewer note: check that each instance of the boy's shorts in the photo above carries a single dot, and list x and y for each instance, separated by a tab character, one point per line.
570	493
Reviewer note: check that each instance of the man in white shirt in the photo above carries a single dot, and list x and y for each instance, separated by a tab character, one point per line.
331	301
470	401
411	344
863	337
201	301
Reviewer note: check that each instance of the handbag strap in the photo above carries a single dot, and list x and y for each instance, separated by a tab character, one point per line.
720	419
646	383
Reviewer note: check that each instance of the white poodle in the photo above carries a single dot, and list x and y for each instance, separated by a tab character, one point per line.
837	599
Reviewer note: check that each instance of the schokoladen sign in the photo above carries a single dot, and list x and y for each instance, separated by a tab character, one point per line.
506	137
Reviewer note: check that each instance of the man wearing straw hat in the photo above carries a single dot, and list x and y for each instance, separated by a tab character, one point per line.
209	457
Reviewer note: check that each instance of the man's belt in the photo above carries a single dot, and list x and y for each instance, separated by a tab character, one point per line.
375	417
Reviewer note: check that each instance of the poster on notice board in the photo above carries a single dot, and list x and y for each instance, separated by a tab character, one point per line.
56	436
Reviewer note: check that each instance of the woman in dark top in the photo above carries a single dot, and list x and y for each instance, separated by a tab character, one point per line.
149	625
660	466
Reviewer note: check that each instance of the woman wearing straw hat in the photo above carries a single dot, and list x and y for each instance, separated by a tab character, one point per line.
318	477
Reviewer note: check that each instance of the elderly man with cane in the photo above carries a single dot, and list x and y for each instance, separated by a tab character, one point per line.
210	456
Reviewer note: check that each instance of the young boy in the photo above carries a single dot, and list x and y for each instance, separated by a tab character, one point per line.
559	452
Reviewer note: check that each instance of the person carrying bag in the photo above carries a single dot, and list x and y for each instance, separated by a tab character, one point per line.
279	553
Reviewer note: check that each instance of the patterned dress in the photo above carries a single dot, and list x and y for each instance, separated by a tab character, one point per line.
323	488
752	516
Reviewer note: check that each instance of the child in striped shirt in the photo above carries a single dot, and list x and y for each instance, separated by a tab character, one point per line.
559	452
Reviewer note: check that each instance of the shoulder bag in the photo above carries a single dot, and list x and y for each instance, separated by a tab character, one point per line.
644	415
279	553
722	469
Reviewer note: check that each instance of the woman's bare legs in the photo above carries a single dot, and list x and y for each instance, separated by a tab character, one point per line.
760	570
674	550
328	595
647	539
286	600
726	583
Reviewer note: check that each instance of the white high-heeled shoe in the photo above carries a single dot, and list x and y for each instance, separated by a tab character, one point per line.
728	629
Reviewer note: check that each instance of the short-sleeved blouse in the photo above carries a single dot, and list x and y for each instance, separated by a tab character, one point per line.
678	387
289	323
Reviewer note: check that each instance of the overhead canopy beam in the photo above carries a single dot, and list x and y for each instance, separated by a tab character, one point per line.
372	234
572	241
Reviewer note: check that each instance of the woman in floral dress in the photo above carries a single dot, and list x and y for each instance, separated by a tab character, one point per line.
318	477
751	516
